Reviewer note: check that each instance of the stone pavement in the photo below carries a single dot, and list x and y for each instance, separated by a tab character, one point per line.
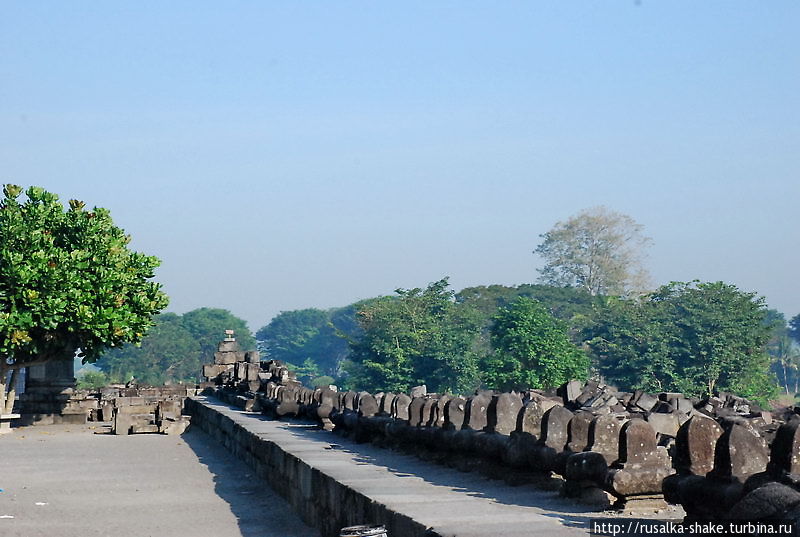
65	481
445	500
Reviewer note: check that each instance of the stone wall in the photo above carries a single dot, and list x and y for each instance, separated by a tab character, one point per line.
320	499
718	457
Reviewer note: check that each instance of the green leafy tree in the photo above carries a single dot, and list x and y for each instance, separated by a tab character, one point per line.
598	250
299	335
531	349
169	353
208	325
92	380
786	360
569	304
176	347
322	381
794	328
419	336
696	338
305	373
68	283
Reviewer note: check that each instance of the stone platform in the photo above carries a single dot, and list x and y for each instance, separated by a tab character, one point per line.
66	481
333	482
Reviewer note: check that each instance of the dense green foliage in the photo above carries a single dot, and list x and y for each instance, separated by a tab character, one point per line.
207	326
92	380
176	348
68	281
598	250
309	334
695	338
531	349
784	351
419	336
794	328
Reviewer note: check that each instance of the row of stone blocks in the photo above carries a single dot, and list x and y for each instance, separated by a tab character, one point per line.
148	414
319	499
631	459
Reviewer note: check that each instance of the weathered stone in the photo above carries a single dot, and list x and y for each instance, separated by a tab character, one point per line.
349	400
770	501
367	405
252	357
437	415
475	415
454	411
642	466
554	428
739	454
695	445
386	403
664	424
228	346
428	414
785	449
225	358
175	426
578	431
530	419
503	412
415	411
604	432
144	428
684	405
400	407
571	390
419	391
637	444
646	402
586	466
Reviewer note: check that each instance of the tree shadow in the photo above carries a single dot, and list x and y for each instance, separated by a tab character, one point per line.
259	511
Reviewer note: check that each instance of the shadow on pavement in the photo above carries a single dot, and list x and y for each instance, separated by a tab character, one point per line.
259	511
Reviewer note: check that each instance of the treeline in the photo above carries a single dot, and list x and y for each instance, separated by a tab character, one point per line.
691	337
588	317
174	349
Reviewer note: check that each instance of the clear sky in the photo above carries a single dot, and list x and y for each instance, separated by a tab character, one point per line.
282	155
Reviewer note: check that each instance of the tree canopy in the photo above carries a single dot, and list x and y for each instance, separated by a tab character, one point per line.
68	281
695	338
531	349
299	335
419	336
598	250
208	325
176	347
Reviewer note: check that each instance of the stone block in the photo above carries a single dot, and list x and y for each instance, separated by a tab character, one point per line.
226	358
228	346
144	428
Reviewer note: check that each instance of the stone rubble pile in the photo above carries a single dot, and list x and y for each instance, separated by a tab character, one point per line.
145	409
718	457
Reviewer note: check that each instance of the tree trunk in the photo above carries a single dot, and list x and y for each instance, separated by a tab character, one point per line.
12	392
785	379
3	373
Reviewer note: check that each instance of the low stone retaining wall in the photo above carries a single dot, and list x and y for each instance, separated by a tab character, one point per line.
319	498
718	457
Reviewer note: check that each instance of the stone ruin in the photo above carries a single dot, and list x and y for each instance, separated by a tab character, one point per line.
720	457
147	410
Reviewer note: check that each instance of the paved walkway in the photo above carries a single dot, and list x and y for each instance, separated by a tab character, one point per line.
450	502
66	481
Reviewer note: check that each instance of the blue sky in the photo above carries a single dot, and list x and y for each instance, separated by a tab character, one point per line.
281	155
